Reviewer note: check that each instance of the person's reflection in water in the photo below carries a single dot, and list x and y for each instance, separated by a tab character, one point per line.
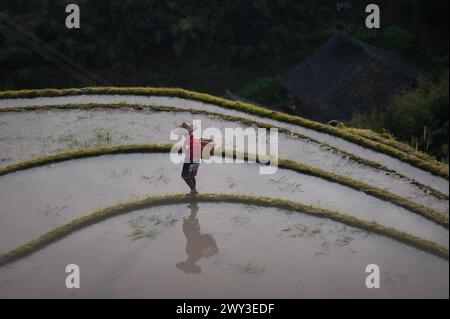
198	245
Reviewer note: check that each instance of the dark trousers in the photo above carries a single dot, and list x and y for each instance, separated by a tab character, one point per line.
188	174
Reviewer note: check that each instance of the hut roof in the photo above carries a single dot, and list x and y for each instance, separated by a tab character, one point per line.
346	75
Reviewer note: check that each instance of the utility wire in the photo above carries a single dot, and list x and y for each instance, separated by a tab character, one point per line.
30	41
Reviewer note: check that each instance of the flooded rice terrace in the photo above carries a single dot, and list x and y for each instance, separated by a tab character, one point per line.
204	250
392	163
38	199
32	134
221	251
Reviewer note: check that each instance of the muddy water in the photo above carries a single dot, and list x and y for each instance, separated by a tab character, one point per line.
37	200
405	169
32	134
225	251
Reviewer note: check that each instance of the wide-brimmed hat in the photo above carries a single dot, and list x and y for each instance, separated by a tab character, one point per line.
187	126
183	127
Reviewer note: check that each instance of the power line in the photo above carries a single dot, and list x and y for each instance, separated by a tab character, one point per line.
30	41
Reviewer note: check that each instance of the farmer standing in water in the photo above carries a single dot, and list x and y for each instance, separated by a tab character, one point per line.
192	150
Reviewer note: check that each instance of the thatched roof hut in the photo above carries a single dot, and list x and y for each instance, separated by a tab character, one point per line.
346	76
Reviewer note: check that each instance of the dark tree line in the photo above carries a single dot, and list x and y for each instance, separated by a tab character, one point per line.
200	44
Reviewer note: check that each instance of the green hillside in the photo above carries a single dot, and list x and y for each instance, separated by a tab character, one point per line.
240	45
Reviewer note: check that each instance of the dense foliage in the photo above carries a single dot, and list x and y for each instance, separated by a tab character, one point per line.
211	46
421	115
266	91
199	44
418	116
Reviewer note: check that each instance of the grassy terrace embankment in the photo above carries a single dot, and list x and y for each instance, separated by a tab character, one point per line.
231	118
103	214
392	142
425	212
414	160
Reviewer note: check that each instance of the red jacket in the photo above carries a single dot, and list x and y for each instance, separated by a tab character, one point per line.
192	149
